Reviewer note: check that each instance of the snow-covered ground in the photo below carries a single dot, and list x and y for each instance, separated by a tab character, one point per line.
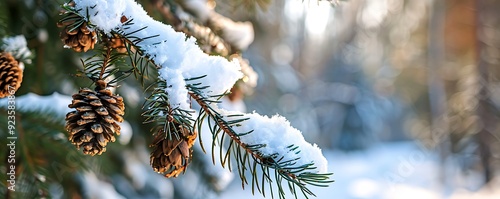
400	170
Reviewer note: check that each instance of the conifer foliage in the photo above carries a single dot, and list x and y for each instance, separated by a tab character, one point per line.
123	41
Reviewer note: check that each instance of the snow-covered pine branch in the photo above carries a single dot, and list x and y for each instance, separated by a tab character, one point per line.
178	56
277	135
188	72
269	142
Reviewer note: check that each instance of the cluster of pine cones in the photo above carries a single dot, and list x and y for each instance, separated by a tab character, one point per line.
82	38
94	122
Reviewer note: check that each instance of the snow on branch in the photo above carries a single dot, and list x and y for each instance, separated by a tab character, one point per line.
178	56
277	135
18	47
55	104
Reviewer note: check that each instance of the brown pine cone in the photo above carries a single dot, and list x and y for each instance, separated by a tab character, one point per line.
115	42
79	38
171	155
11	75
94	123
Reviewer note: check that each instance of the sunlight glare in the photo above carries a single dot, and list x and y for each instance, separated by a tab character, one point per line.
317	17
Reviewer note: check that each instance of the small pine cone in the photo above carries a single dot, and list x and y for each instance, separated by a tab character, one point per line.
79	38
94	122
11	75
115	42
171	155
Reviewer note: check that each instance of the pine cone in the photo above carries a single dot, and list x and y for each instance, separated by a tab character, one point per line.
115	42
11	75
79	38
94	122
171	156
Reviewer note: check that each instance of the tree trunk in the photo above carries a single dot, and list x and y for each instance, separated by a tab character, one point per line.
437	92
485	137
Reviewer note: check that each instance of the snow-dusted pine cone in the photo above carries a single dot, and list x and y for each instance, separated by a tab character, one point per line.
79	38
11	75
171	156
94	123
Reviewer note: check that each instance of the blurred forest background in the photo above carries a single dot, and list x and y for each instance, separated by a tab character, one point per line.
350	75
